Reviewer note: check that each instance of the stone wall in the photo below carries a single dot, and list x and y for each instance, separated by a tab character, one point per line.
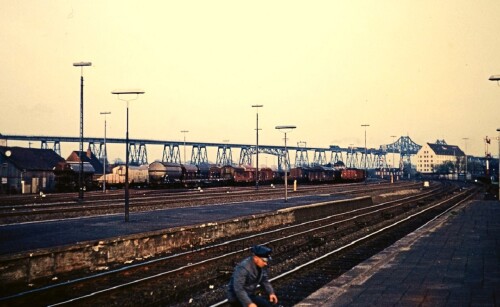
25	268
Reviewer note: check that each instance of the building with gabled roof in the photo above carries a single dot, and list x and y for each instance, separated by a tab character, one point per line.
90	158
431	155
27	170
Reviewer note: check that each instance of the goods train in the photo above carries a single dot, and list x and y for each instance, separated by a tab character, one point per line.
173	174
138	176
165	174
327	174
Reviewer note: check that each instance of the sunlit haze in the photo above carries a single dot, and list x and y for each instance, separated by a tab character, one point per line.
416	68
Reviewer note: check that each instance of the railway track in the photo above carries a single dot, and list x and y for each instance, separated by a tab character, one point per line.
155	200
197	277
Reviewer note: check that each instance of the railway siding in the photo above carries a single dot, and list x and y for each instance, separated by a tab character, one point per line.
92	256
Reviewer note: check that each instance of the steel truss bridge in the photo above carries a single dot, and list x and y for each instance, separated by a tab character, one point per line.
351	156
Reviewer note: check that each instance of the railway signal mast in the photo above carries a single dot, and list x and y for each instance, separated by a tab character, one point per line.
257	106
366	155
105	155
286	129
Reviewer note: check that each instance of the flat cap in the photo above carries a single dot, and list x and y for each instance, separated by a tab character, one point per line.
261	251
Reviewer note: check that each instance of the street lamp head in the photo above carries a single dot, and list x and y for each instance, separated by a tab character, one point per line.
285	127
495	78
82	64
257	106
104	113
498	129
365	125
125	92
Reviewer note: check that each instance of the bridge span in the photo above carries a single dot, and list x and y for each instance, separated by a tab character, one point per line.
351	156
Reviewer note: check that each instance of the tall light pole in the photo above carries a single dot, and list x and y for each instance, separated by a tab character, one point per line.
80	173
465	153
184	132
105	156
366	156
127	93
393	156
257	106
286	129
497	79
351	164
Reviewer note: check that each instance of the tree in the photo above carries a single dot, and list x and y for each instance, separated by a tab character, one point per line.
447	167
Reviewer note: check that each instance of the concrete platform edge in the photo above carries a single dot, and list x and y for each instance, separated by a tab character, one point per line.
357	276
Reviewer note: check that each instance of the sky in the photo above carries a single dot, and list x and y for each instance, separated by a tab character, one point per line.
406	68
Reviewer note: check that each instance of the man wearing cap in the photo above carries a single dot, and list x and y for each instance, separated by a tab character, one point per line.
247	275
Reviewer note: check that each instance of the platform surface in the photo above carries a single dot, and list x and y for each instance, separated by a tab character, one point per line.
19	238
452	261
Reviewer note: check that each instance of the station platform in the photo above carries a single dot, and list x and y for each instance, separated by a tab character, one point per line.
30	236
453	260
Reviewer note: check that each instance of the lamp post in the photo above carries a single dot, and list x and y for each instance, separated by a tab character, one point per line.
393	150
497	79
80	172
286	129
257	106
465	154
105	156
184	132
366	156
351	160
393	157
127	93
498	174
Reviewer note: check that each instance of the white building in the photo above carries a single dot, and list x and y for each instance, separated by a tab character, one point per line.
431	156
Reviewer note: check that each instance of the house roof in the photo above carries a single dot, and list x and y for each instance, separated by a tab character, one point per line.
446	150
75	167
87	156
31	159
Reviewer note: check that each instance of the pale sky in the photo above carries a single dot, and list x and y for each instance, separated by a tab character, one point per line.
417	68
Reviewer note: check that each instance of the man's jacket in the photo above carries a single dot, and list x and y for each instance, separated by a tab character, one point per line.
246	276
